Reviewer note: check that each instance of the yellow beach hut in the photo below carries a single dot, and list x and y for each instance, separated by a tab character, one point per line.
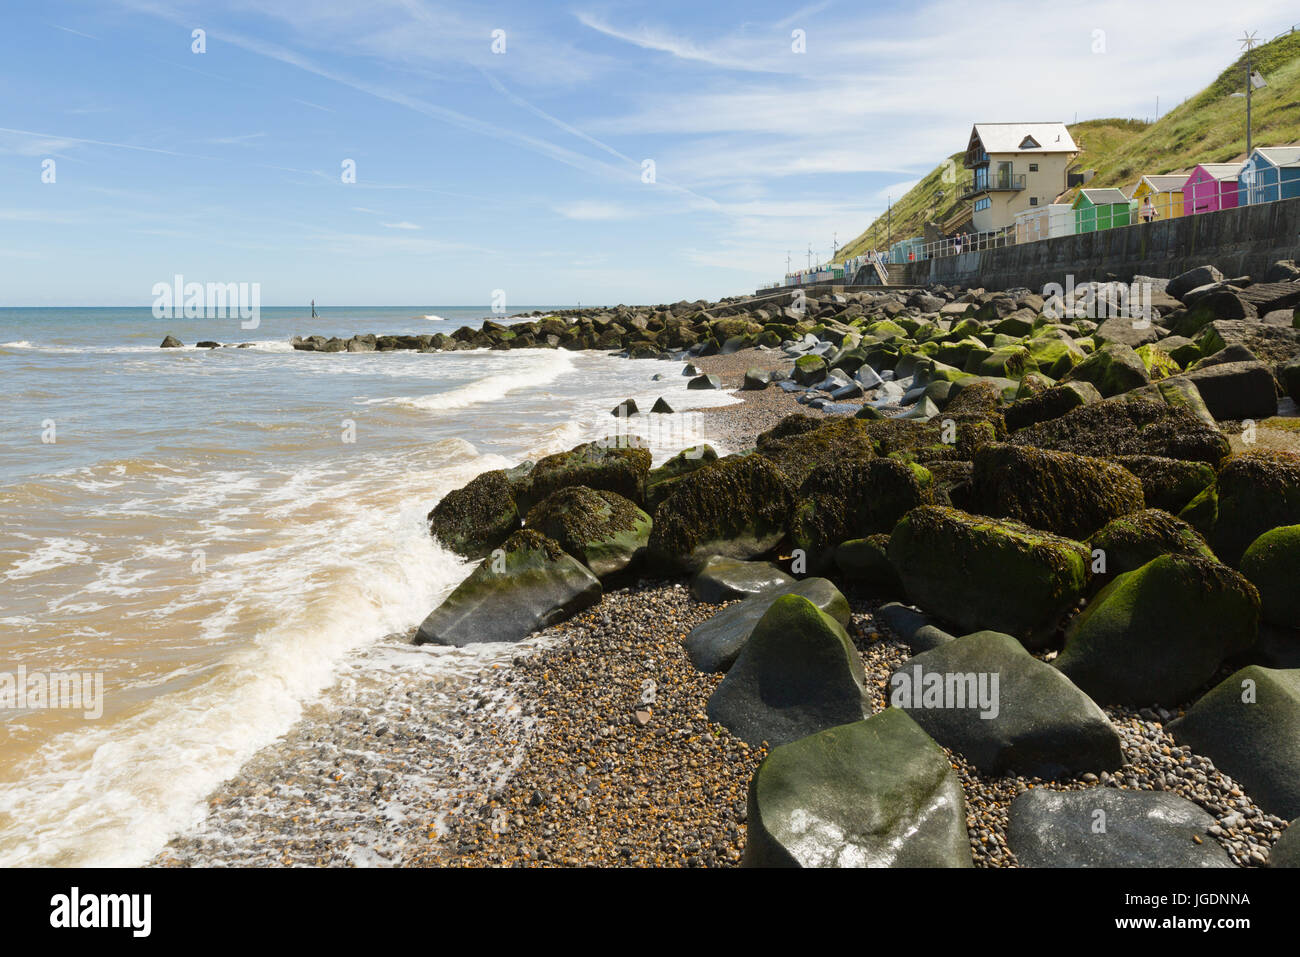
1166	193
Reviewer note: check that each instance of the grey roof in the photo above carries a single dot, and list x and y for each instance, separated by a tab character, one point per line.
1223	170
1166	183
1280	155
1104	197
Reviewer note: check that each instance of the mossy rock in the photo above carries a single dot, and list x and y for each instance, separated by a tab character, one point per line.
1054	353
1156	634
611	464
1168	484
1128	426
528	584
798	674
1035	383
809	370
978	398
1007	362
1129	542
1271	563
874	793
1257	491
1159	364
1059	492
985	573
601	529
737	507
852	500
1114	369
828	443
1202	512
1049	404
866	561
473	520
660	481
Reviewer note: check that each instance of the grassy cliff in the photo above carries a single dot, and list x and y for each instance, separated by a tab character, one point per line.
1208	128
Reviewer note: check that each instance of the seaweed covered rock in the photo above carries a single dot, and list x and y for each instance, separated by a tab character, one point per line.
1049	404
1156	634
714	644
986	697
612	465
988	574
1256	491
874	793
726	579
737	507
473	520
1129	426
1114	369
1271	562
1129	542
866	561
1249	726
852	500
529	584
1237	390
1142	829
798	674
798	451
660	482
1168	484
601	529
1059	492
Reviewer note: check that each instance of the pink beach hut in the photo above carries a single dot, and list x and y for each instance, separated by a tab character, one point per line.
1212	187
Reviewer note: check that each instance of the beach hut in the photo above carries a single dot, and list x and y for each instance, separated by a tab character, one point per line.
1096	209
1271	173
907	250
1166	193
1044	222
1212	187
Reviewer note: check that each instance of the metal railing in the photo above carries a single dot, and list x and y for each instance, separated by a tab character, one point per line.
1003	182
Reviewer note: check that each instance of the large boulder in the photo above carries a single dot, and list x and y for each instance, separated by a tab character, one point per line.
473	520
1107	827
798	674
601	529
1256	491
866	561
1129	426
1156	634
853	500
1059	492
529	584
1130	541
1168	484
1049	404
610	464
1237	390
725	579
1195	278
801	445
983	573
737	507
874	793
714	645
1113	369
1271	563
1249	726
660	482
985	696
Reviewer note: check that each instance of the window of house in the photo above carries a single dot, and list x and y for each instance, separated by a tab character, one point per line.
1033	200
1033	167
982	204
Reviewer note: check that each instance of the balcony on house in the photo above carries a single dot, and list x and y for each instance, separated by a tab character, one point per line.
987	181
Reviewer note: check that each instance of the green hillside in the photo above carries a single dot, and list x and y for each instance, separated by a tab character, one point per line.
1208	128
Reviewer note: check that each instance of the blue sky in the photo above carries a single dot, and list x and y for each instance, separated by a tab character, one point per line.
523	170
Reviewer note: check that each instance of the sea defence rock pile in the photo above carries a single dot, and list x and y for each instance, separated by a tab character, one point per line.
1073	521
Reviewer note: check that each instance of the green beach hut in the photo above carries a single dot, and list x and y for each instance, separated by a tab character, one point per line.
1096	209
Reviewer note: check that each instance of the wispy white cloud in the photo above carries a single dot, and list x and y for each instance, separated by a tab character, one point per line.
402	225
592	210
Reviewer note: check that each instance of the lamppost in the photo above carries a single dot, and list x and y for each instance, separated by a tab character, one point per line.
1248	41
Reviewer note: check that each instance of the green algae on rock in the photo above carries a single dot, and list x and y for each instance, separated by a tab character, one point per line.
475	519
599	528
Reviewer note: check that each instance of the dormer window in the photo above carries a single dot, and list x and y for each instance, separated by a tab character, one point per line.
1029	143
